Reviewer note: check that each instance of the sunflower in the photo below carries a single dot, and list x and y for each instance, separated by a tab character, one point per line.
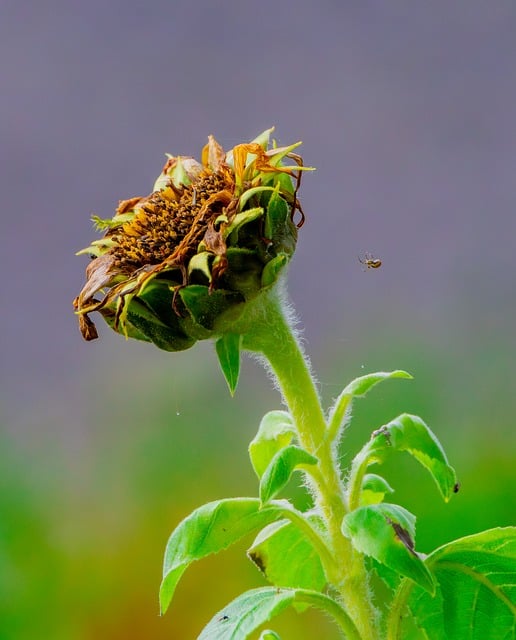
180	264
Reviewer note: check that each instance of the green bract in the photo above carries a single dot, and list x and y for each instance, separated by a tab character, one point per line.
179	265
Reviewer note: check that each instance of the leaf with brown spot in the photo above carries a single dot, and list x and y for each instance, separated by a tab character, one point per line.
403	535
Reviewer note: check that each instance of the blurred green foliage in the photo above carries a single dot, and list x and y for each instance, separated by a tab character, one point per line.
83	531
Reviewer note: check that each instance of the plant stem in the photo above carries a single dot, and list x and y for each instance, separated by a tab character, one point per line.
266	330
319	600
397	608
356	476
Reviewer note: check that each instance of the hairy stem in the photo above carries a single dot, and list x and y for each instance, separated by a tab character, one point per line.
397	608
356	476
266	330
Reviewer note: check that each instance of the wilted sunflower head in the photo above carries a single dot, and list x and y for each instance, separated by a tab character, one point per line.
209	238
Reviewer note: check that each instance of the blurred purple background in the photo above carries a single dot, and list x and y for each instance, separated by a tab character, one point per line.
407	109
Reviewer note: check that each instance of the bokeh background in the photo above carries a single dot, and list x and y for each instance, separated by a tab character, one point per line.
407	109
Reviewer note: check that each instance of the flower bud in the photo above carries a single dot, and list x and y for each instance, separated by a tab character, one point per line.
180	264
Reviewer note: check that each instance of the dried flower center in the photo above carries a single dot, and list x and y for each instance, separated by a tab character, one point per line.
162	223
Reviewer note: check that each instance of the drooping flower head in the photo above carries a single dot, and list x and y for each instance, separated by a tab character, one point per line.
177	265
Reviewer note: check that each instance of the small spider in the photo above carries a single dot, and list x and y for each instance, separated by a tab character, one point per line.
369	261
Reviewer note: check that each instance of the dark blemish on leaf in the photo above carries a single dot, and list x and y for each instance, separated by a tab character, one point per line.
223	618
258	560
403	535
456	487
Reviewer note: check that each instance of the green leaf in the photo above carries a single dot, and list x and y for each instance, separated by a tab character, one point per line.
280	469
244	271
286	557
228	352
251	193
129	329
206	307
387	533
147	320
211	528
103	224
374	489
277	154
358	388
269	635
283	180
409	433
476	592
201	262
275	432
242	218
273	268
263	138
390	577
178	174
246	613
277	215
151	314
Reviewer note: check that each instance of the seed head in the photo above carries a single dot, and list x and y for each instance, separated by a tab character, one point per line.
211	236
